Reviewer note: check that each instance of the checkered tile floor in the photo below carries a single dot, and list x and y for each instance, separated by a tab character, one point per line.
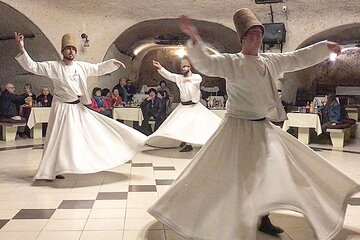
110	204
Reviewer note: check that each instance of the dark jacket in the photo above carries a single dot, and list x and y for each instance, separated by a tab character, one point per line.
45	100
332	112
10	103
155	109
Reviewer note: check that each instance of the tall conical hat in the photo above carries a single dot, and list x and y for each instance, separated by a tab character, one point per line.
68	40
244	19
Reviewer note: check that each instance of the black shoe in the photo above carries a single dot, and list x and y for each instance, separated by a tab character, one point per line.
268	228
182	144
187	148
60	177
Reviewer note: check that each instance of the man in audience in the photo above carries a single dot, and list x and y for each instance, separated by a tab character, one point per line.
153	108
122	90
10	102
131	90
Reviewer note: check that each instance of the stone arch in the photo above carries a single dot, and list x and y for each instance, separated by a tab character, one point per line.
36	42
153	36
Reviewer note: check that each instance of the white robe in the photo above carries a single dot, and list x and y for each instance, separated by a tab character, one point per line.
193	124
79	140
249	168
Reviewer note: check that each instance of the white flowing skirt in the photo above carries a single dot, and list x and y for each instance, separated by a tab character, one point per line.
245	170
192	124
79	140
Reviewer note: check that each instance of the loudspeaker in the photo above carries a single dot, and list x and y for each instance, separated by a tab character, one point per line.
266	1
274	33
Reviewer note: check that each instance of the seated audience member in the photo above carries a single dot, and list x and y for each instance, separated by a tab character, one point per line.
45	98
331	113
115	99
165	97
10	102
153	108
122	90
28	92
131	90
99	103
163	87
105	92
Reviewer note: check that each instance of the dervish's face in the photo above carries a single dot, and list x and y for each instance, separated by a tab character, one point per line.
253	38
69	53
185	70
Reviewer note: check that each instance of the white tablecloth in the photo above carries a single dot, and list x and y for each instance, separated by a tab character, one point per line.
128	114
303	120
219	112
38	115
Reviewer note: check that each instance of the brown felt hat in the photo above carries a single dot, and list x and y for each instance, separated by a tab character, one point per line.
68	40
184	62
244	19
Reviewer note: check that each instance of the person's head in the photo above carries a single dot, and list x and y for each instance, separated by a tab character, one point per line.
152	93
330	97
68	47
96	92
185	67
122	82
105	92
162	84
163	94
128	82
27	88
249	29
45	90
10	87
116	92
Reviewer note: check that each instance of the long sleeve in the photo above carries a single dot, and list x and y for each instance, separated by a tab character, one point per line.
100	69
301	58
38	68
210	65
168	75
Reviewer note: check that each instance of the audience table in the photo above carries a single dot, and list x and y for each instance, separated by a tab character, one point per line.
128	114
38	116
303	121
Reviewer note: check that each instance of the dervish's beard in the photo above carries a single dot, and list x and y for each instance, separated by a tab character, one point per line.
185	73
70	57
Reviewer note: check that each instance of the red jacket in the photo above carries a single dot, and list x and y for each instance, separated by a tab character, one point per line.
94	105
115	102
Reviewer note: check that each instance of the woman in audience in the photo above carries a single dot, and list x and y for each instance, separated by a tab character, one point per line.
45	98
115	99
28	91
331	113
99	103
165	97
163	87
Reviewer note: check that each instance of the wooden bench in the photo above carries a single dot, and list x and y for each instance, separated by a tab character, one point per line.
9	128
341	133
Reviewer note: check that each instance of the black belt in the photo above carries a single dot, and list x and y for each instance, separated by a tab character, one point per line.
74	102
188	103
256	120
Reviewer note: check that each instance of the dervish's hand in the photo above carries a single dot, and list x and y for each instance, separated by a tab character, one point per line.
157	64
186	26
20	41
333	46
119	64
